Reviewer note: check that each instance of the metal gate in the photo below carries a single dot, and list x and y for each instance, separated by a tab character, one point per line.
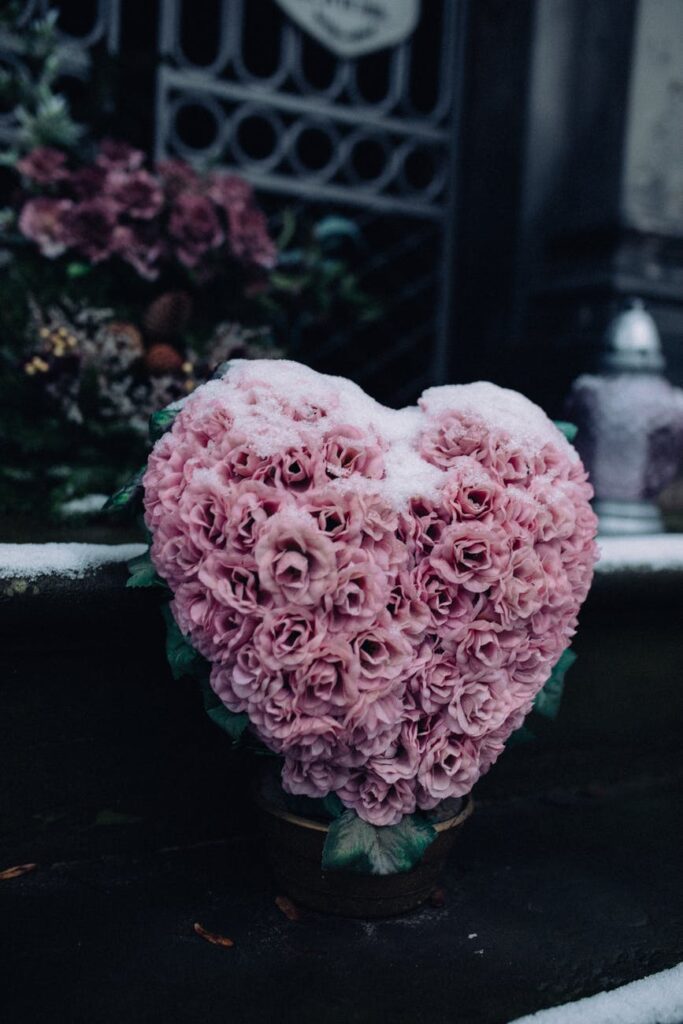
240	85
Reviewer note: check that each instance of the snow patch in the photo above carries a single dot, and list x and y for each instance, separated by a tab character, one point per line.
87	505
649	552
279	405
657	999
28	561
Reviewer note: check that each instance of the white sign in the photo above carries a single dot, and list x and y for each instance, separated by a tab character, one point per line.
351	28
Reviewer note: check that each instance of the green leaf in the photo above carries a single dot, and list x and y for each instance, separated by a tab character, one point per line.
128	495
161	421
548	700
333	805
143	573
181	655
288	228
231	723
76	269
570	430
354	845
335	227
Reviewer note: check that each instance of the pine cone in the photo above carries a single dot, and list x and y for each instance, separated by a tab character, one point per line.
163	358
166	318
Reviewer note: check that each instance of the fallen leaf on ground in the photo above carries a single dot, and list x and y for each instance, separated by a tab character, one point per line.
213	937
438	897
16	871
289	909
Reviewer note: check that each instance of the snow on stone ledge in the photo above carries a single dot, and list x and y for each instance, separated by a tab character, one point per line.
649	552
654	1000
27	561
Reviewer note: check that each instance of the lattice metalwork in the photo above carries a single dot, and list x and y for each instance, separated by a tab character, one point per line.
376	136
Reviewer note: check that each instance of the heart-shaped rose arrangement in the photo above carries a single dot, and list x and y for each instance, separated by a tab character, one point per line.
382	592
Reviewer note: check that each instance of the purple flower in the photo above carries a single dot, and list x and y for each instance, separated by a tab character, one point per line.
117	155
138	252
90	226
138	193
43	221
44	165
87	182
247	226
177	176
195	227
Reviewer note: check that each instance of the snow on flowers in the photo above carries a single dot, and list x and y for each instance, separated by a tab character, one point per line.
382	592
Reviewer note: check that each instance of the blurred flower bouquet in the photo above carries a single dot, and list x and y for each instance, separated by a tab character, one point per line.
125	286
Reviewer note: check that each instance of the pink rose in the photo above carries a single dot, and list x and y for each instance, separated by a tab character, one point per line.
137	193
204	509
113	154
90	225
455	434
177	175
360	594
174	554
44	165
288	638
452	608
216	630
422	526
253	504
247	225
473	554
448	768
312	778
377	801
473	493
383	654
337	514
195	227
44	221
407	608
524	590
231	582
141	254
296	562
327	683
348	450
435	683
480	703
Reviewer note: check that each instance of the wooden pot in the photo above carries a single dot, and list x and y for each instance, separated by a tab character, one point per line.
294	847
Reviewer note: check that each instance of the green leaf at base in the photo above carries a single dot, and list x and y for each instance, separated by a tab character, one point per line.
182	657
128	495
354	845
225	719
142	572
570	430
548	699
161	421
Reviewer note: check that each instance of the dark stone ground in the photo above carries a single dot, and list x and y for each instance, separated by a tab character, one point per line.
562	896
113	780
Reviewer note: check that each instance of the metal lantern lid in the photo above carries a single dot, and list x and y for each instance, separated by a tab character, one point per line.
632	342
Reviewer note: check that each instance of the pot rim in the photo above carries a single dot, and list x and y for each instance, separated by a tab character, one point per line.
316	826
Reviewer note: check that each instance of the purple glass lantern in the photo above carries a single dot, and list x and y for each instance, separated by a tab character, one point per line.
630	421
